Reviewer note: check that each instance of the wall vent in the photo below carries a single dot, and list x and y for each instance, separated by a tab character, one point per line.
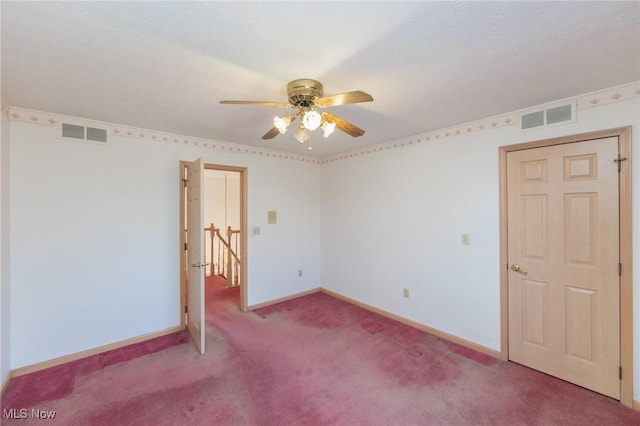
77	132
561	114
533	119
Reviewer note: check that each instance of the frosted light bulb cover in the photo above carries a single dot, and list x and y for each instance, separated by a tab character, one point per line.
302	135
328	128
311	120
281	123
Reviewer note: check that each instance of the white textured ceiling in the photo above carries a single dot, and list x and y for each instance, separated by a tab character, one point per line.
166	65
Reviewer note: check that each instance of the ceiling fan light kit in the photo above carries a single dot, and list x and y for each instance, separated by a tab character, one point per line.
328	128
302	134
282	123
311	120
306	95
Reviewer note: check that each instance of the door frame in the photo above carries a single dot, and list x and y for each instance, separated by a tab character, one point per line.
626	248
243	235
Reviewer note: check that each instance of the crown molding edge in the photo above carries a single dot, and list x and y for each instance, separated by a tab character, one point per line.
584	101
26	115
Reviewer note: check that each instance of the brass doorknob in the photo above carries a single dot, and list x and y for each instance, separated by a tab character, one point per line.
516	268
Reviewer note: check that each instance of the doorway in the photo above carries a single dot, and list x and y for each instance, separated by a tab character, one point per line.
221	178
566	259
222	227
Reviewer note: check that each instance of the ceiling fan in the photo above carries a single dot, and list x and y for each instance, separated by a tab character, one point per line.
306	95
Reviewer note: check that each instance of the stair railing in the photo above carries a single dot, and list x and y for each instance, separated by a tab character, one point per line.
223	254
224	259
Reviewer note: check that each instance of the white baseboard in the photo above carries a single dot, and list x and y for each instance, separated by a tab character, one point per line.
415	324
411	323
89	352
282	299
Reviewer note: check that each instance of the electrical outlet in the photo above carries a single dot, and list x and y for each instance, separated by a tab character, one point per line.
465	239
299	272
405	292
256	230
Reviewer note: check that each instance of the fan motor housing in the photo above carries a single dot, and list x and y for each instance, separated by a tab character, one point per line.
303	91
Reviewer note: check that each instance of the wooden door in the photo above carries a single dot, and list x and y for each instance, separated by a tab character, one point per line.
195	254
563	249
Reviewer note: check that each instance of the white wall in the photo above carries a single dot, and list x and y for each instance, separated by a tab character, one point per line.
222	199
5	289
394	219
214	201
232	201
95	237
276	255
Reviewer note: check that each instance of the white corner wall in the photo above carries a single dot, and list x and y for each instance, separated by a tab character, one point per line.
5	277
95	237
394	219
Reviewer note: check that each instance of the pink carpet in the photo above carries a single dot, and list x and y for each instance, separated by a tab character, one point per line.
311	361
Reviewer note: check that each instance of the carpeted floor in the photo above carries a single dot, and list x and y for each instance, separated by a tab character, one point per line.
314	360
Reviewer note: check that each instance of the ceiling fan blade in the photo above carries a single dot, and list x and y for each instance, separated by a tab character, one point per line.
272	133
260	103
344	125
343	98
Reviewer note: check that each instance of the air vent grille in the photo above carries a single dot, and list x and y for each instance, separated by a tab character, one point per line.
96	135
535	119
559	114
93	134
72	131
550	116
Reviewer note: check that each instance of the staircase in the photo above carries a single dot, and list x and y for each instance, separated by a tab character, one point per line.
223	251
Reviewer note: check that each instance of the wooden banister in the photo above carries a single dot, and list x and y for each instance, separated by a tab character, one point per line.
224	259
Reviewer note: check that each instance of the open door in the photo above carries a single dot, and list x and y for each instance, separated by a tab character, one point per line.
195	254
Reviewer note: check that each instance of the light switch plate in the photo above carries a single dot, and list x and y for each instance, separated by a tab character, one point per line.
272	217
465	239
256	230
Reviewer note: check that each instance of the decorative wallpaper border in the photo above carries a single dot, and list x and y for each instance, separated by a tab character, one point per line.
585	101
504	120
51	119
609	96
151	135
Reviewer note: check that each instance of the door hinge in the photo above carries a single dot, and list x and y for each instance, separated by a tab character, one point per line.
619	269
185	246
620	373
186	309
184	182
619	160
